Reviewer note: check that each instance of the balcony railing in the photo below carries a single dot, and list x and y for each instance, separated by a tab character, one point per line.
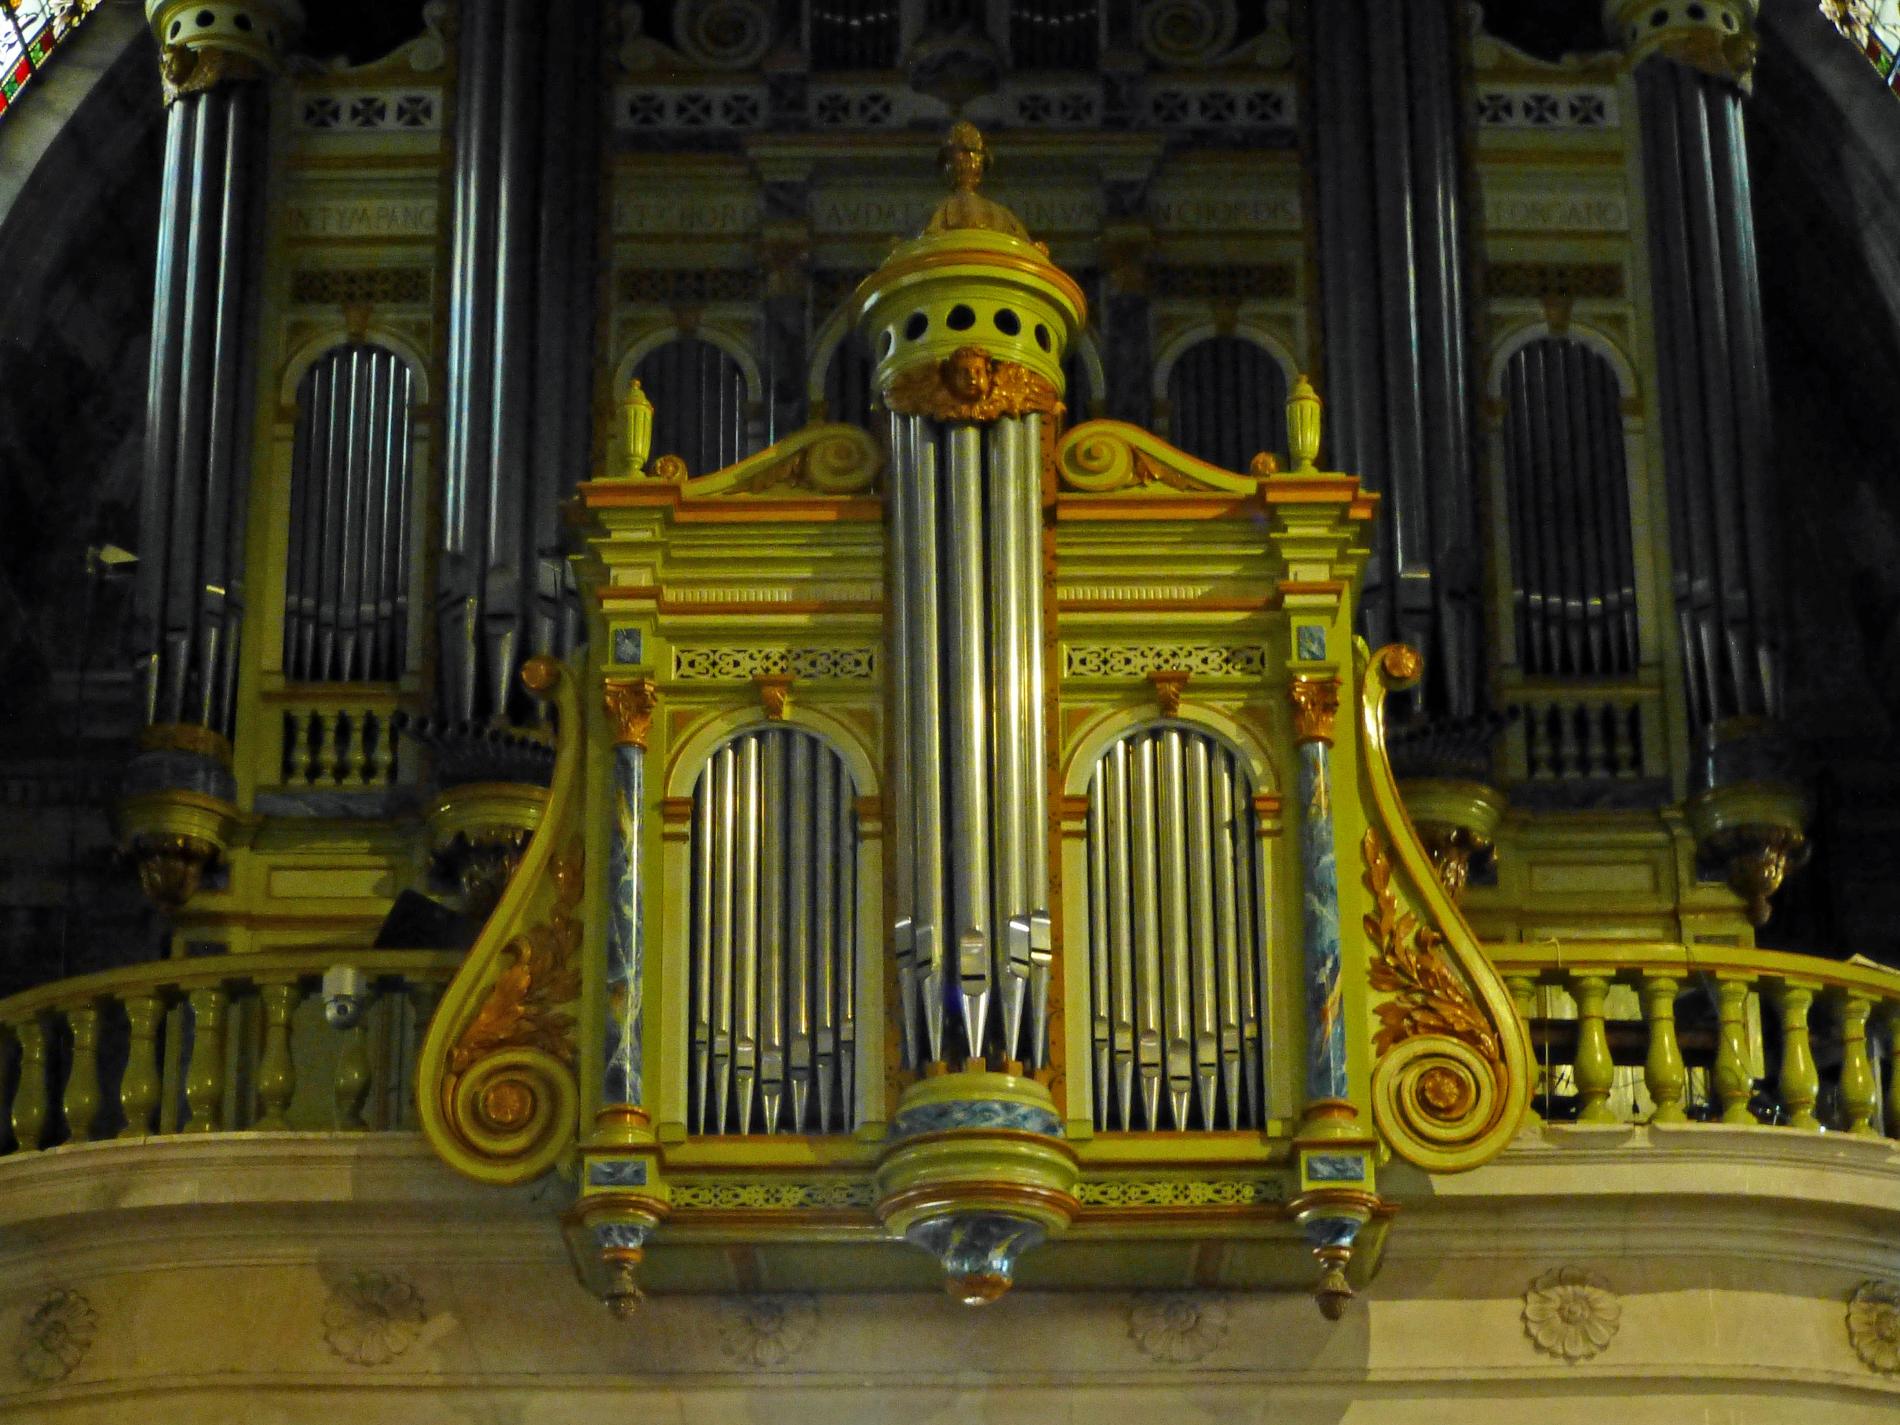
222	1043
1636	1033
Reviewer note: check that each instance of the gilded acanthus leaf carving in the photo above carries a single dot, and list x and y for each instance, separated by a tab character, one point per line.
1428	997
970	385
527	1005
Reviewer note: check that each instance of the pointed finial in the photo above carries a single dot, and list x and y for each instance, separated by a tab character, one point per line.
639	429
1302	424
964	156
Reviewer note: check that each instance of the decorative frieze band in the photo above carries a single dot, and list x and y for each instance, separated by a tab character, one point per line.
1138	660
742	664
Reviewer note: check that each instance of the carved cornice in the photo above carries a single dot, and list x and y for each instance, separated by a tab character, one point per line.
971	385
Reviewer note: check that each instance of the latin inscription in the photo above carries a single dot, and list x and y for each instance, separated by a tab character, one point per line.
396	217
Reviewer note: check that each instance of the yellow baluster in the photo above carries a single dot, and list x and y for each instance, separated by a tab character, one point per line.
82	1083
1858	1085
204	1084
1663	1072
1800	1081
1893	1069
276	1072
352	1077
1594	1068
1732	1082
138	1090
1523	990
29	1098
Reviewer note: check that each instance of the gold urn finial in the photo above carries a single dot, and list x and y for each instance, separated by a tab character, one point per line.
1302	424
639	429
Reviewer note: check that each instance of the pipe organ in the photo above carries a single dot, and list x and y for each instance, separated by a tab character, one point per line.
896	905
962	820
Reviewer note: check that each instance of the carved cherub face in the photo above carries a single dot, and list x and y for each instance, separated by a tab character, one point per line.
967	374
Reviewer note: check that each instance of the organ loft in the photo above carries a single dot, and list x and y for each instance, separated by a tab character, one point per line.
823	708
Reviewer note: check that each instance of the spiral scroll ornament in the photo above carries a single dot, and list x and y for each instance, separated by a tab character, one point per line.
1186	34
722	34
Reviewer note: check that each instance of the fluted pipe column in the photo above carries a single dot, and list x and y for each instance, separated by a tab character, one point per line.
195	490
521	330
1692	69
969	321
179	792
1386	145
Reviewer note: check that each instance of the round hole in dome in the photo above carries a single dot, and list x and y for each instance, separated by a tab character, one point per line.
172	33
961	318
204	18
886	342
1658	18
915	326
1007	322
1042	336
1728	22
244	22
1696	13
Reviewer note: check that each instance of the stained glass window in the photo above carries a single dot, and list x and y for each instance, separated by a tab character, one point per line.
29	32
1873	25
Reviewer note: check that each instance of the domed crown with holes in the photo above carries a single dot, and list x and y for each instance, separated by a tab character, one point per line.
969	297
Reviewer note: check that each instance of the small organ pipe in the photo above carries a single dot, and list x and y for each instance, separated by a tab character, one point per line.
1121	945
745	940
1200	899
775	873
1227	829
805	801
726	885
1176	953
829	914
1146	913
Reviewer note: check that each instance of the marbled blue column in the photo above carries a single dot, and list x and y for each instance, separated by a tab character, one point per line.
626	949
1325	1021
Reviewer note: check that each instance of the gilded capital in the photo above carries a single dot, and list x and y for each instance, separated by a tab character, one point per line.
203	44
1714	36
1315	705
630	709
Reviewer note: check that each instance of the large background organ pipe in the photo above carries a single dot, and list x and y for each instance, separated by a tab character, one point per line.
933	939
1007	773
899	551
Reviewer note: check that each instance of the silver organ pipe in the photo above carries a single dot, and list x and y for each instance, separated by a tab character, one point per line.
774	903
1175	940
346	597
966	555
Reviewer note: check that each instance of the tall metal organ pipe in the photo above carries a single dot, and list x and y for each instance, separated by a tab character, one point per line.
195	491
969	322
1386	148
521	326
